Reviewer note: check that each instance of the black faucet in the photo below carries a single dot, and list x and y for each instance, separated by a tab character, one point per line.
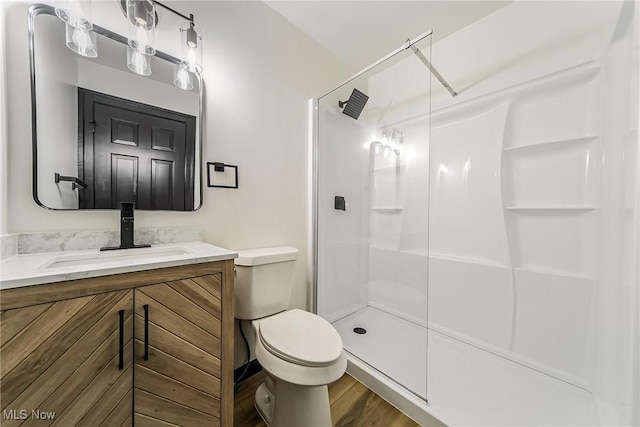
126	229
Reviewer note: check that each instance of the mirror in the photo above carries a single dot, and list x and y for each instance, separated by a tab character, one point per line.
103	134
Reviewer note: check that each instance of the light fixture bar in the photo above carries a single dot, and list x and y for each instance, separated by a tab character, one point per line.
164	6
188	18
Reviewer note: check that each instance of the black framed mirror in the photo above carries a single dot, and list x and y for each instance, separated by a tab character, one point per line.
103	134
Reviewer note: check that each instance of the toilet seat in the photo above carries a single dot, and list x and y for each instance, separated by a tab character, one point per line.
302	338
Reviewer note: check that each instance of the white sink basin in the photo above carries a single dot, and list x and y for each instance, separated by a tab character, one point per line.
113	256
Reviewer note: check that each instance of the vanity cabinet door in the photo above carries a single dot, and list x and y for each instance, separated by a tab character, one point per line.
68	362
178	352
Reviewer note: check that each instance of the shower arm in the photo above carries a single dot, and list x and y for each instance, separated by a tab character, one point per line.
431	68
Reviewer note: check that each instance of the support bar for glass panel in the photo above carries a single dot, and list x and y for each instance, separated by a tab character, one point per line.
380	61
431	68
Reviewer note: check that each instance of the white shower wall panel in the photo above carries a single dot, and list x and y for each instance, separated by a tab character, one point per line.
568	107
466	215
554	174
554	240
471	301
514	179
398	283
555	323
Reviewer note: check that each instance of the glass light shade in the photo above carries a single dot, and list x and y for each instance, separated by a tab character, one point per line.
76	13
81	41
182	76
191	46
142	33
138	62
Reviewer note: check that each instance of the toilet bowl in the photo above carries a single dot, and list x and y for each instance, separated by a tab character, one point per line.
299	351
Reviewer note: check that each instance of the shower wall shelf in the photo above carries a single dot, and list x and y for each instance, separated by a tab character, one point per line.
551	209
380	247
467	260
553	144
387	170
387	209
557	273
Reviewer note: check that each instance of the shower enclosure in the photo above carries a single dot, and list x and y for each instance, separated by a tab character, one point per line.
372	182
480	260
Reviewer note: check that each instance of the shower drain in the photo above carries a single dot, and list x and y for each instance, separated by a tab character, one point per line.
360	330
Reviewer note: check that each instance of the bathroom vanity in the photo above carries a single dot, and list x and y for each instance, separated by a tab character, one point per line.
141	335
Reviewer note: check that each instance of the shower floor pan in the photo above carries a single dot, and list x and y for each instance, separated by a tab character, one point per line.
466	385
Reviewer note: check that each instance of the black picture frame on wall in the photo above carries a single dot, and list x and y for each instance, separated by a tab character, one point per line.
217	167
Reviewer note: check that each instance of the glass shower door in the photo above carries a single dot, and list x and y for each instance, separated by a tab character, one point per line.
372	201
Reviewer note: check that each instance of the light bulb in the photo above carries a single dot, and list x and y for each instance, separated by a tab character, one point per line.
141	37
191	59
182	77
142	42
387	151
378	148
82	39
138	62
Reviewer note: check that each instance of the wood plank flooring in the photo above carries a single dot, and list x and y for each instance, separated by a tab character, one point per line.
352	404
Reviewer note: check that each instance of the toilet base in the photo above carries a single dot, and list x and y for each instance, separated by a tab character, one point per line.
282	404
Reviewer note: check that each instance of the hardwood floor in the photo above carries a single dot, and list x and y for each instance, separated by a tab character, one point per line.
352	404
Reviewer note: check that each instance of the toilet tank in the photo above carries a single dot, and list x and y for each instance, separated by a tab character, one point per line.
264	279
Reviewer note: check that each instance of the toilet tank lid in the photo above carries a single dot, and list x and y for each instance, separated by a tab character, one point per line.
259	256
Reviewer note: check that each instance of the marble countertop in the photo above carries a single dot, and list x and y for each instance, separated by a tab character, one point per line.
50	267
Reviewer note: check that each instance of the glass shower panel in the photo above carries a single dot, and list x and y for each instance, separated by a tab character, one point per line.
372	214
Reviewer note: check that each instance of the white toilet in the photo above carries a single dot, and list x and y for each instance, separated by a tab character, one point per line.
299	352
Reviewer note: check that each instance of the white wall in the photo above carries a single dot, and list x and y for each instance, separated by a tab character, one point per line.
4	148
259	72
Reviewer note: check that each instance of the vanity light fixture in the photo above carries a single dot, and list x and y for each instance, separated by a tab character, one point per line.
76	15
141	38
143	18
391	142
142	33
191	45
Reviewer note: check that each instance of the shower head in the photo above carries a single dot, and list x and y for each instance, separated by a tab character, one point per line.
354	105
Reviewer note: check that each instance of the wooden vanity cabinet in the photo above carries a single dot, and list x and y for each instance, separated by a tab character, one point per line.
149	347
61	359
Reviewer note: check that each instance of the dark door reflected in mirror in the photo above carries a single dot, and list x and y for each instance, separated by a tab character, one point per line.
134	152
127	137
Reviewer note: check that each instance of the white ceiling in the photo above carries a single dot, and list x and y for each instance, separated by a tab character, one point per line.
360	32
